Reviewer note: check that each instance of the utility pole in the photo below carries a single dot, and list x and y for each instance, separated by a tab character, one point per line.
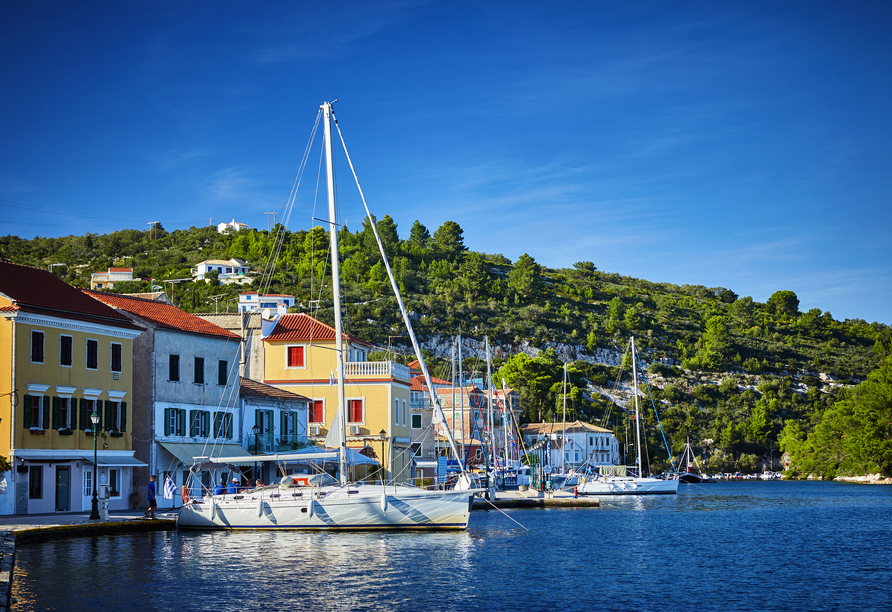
151	225
273	213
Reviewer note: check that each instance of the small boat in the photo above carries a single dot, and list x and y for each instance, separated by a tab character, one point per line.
686	463
309	503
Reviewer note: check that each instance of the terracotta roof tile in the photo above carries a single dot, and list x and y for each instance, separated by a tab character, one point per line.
161	314
41	292
535	428
253	388
301	327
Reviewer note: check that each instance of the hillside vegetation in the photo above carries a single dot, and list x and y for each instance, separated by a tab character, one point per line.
726	370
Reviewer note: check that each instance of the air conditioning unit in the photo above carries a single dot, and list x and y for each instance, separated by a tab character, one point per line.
354	430
314	430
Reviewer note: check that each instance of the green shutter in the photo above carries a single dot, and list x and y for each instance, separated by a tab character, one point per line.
182	428
282	421
193	417
258	419
98	409
46	412
72	410
27	420
56	408
217	432
85	416
228	420
123	416
167	421
108	416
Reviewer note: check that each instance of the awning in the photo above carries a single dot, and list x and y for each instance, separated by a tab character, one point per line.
118	461
103	457
187	452
426	464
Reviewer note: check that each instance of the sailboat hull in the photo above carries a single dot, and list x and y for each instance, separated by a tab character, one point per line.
353	507
627	485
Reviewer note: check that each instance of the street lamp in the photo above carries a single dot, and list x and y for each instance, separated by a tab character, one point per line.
382	433
256	431
94	513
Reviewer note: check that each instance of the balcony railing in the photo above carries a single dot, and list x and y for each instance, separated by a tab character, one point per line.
377	368
275	443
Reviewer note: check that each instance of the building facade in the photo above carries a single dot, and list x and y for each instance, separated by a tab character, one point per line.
107	280
64	358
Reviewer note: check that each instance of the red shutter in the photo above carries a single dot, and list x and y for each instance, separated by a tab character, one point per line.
316	412
355	411
295	356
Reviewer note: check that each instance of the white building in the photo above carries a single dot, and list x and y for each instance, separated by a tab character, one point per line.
231	226
107	280
253	301
577	443
231	271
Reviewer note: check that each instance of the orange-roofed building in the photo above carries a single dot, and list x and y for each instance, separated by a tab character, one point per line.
300	356
63	358
107	280
185	390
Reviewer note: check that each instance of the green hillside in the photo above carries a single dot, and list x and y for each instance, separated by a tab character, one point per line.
728	371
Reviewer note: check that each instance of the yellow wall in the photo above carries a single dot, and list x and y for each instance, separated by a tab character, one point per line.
6	397
50	372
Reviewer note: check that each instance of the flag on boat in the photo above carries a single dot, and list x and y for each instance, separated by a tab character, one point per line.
170	488
331	380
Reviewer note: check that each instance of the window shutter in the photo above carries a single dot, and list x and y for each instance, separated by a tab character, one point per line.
123	416
228	421
46	412
282	428
258	419
85	417
167	421
217	431
72	411
56	408
27	420
193	418
108	416
99	412
182	422
206	423
270	423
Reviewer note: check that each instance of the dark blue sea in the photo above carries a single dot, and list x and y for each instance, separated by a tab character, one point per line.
746	545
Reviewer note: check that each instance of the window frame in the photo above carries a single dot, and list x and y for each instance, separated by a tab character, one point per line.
404	413
35	485
119	357
419	426
92	356
88	481
38	347
222	372
63	352
311	411
173	367
303	357
351	403
416	449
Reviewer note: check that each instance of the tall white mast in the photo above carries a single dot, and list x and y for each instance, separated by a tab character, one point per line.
491	451
341	414
461	393
637	417
564	425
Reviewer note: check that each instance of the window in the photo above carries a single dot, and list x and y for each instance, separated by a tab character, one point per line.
590	441
86	410
295	356
478	455
64	415
416	450
115	416
222	425
396	412
36	347
198	377
289	423
174	368
88	482
115	357
174	421
37	411
354	411
65	350
404	413
35	482
222	374
264	420
200	423
416	421
316	411
92	354
114	480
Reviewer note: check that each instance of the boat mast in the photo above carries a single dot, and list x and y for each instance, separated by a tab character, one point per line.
341	414
461	394
564	425
637	417
492	439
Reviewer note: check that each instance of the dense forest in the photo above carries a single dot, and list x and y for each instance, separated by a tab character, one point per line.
736	376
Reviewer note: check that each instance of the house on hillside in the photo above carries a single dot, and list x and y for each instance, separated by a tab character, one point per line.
107	280
229	272
572	446
232	226
186	392
251	301
65	359
300	357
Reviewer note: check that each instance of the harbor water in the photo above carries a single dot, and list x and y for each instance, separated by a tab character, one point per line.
744	545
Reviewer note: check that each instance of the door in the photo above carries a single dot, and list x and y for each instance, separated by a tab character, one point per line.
63	488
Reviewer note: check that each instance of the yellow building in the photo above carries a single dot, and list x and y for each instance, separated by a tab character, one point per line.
300	356
63	356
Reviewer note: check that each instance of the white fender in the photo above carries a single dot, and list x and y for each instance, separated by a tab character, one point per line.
384	502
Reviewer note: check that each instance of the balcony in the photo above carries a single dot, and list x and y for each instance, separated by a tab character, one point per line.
378	369
275	443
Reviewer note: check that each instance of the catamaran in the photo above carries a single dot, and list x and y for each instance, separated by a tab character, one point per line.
301	502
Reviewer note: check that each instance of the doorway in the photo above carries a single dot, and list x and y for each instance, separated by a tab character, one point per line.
63	488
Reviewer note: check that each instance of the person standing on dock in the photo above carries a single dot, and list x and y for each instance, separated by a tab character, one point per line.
153	503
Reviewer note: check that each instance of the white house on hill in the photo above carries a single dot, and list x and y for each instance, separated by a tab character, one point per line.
231	226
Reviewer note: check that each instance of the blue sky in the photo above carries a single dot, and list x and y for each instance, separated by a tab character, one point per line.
742	145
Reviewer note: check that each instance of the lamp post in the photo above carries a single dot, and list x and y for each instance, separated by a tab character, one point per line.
381	469
256	431
94	513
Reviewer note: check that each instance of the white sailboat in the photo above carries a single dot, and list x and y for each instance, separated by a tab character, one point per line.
308	503
629	485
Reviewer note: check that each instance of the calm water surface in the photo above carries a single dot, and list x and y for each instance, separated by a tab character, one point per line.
726	546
